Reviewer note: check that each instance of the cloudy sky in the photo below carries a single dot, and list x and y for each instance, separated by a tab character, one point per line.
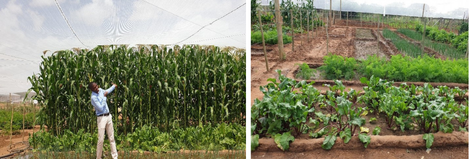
31	26
434	8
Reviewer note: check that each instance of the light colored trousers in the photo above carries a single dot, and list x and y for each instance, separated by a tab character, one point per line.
105	123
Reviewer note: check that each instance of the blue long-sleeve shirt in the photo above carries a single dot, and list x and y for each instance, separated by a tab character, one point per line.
98	100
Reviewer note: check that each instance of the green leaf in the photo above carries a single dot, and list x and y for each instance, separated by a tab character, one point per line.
428	139
283	141
329	141
254	142
365	139
376	130
346	135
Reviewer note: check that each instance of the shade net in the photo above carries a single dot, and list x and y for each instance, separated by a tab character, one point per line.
29	27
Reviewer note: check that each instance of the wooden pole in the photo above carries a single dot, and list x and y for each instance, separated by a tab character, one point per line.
377	39
327	34
279	30
361	22
24	105
34	124
347	18
263	43
330	13
312	24
340	10
292	31
307	22
424	28
301	28
11	123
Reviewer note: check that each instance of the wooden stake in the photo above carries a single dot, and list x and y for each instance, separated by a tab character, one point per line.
292	31
263	43
307	22
279	30
312	25
301	28
377	39
24	105
361	22
34	124
330	13
11	123
347	18
340	10
327	34
424	28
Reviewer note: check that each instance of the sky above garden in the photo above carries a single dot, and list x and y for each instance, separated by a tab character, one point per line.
434	8
30	27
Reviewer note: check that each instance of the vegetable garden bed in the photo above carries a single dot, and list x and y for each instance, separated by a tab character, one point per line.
293	109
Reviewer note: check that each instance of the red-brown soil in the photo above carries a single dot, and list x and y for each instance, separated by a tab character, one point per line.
342	41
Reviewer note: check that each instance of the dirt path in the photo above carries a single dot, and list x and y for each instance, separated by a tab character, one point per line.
457	152
5	140
340	43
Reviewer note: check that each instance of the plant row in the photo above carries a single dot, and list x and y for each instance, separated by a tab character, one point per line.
204	137
157	86
457	41
284	112
441	48
6	122
270	37
402	45
397	68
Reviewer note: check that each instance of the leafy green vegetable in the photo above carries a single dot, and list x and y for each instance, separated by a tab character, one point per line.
364	138
283	140
376	130
270	37
346	135
329	141
428	139
338	67
254	142
305	72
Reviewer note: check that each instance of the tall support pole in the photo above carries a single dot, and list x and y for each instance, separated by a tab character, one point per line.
361	22
278	20
330	13
292	31
347	19
340	10
377	39
11	123
424	28
307	22
301	28
263	43
312	24
327	33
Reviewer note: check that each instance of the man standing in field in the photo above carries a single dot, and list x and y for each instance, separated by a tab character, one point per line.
98	100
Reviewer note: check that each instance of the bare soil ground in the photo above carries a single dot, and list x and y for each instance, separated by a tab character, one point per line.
350	41
454	152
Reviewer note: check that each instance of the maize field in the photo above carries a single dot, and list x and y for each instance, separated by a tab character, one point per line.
158	86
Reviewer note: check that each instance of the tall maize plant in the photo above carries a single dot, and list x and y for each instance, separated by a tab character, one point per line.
158	86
